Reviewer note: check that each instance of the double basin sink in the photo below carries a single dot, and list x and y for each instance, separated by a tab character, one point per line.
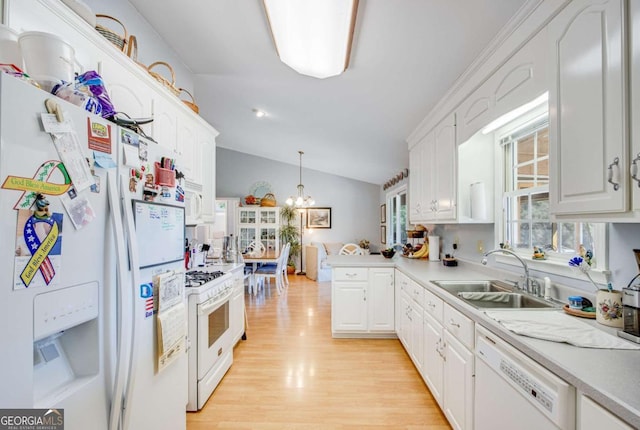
494	295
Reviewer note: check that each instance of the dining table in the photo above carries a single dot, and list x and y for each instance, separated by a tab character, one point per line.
255	261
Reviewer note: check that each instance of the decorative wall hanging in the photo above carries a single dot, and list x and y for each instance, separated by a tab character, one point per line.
396	179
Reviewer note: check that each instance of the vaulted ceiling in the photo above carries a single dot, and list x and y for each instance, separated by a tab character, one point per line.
406	55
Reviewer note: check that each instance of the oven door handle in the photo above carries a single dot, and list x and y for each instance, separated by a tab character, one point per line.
214	303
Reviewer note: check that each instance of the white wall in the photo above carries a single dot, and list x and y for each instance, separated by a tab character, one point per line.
354	204
151	46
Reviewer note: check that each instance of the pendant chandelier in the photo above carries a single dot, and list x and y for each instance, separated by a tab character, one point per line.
300	201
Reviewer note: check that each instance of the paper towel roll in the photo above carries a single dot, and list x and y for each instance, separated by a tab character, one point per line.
478	201
434	248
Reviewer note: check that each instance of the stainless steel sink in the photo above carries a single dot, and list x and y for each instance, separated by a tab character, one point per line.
493	295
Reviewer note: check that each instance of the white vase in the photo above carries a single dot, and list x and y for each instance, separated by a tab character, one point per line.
609	308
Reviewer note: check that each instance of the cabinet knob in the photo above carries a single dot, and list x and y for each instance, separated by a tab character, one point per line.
453	323
614	174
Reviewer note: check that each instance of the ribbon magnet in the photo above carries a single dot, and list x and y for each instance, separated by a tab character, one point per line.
41	233
39	184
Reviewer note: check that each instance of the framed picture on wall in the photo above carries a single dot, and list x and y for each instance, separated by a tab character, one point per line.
383	234
319	218
383	213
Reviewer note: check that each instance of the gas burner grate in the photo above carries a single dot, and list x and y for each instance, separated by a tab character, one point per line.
196	278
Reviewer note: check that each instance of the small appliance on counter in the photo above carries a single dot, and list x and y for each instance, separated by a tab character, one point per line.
631	313
631	307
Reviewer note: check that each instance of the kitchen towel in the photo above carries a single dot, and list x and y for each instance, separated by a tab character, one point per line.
494	297
558	327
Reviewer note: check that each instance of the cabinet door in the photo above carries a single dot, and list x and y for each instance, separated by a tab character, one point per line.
592	416
165	123
186	144
417	336
128	93
208	166
269	220
237	309
404	332
400	285
348	306
587	109
417	180
458	379
433	369
634	13
444	167
380	294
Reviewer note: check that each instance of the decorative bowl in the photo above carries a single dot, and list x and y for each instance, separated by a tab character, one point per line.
388	253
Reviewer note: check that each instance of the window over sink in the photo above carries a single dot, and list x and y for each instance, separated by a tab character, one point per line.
525	221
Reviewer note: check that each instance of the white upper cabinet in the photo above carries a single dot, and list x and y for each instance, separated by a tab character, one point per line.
445	169
589	163
521	79
634	37
128	93
180	132
433	179
418	179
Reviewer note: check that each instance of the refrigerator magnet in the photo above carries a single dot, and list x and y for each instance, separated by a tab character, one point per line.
38	249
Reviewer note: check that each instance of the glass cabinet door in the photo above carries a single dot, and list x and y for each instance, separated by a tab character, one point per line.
269	238
247	216
246	235
269	216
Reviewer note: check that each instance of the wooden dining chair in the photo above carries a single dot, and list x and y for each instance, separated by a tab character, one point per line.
267	272
256	249
351	249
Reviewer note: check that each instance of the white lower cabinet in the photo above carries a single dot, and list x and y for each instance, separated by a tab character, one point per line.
411	330
440	342
592	416
448	361
433	370
401	319
458	383
237	306
362	302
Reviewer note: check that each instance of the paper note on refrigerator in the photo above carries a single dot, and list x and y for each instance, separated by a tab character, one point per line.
171	327
70	152
168	288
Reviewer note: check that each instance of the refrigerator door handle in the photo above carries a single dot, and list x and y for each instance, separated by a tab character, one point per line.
130	231
123	302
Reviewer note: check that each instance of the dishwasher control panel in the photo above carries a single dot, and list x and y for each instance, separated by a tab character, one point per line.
532	388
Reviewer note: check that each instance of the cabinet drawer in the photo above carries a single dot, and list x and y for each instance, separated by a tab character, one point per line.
433	305
459	325
401	281
350	274
416	292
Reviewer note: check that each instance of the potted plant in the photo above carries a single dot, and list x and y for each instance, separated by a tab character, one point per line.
289	233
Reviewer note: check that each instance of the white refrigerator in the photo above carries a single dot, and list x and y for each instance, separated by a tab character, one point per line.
84	232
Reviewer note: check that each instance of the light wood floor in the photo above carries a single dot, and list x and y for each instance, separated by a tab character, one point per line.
291	374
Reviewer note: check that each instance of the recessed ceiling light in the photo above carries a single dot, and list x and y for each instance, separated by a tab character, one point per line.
259	113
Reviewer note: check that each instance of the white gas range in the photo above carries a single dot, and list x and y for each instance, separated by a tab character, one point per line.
209	292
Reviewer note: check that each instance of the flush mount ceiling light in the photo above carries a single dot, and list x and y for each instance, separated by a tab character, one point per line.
259	113
313	37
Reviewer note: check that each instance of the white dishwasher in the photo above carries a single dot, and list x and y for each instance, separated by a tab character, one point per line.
514	392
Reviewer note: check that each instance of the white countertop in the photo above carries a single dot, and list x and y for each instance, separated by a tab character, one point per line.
610	377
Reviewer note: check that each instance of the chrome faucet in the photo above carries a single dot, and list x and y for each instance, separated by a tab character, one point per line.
530	285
